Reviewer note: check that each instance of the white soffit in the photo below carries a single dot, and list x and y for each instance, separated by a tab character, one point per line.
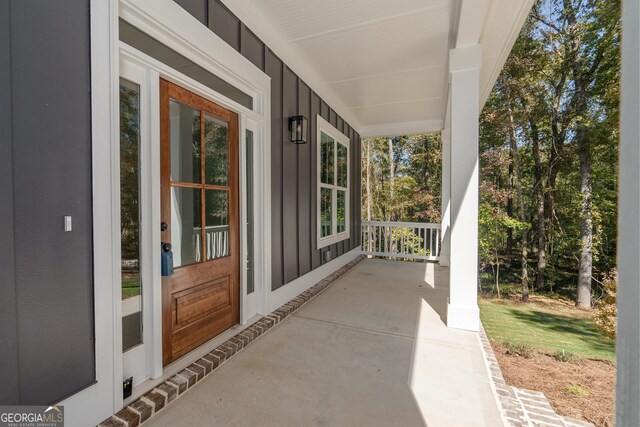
382	64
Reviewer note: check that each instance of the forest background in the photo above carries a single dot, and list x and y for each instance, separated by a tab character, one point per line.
548	151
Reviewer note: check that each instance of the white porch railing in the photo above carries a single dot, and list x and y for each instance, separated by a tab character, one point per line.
410	240
216	242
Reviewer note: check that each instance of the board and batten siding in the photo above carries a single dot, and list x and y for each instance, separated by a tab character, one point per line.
46	274
294	168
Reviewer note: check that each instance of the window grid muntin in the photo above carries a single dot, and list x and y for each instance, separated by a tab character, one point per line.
331	132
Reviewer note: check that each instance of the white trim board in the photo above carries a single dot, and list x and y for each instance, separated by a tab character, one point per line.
290	290
403	128
323	126
510	40
99	401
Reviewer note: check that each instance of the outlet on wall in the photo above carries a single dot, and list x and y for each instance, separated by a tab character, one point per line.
327	256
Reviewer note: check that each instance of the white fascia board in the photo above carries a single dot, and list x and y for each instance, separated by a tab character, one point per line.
519	18
520	14
402	128
269	35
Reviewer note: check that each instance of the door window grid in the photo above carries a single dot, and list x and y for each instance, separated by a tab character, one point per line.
210	242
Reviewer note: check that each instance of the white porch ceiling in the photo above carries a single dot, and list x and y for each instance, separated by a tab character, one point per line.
382	64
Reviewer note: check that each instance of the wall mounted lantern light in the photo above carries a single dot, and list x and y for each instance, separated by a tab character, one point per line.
298	128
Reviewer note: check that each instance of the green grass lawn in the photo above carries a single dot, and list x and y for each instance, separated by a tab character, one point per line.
547	328
130	288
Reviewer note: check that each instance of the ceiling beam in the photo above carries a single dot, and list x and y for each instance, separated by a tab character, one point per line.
401	128
473	14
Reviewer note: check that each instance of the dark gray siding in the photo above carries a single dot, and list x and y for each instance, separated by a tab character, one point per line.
226	25
305	189
274	69
46	291
294	169
198	8
8	318
289	179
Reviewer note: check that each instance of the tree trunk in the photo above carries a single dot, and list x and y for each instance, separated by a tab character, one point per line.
583	75
392	177
368	190
426	165
559	124
498	275
509	249
586	226
539	196
523	214
368	185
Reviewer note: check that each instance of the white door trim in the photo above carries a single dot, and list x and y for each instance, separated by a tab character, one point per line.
145	360
257	122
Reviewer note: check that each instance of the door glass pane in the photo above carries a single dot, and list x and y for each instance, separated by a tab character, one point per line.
326	158
185	142
250	275
217	223
130	214
216	151
186	234
342	165
342	211
326	224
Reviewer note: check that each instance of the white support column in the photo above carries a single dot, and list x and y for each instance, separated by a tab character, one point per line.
628	341
462	309
445	220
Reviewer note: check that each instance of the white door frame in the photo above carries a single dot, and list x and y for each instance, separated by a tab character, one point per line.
141	362
256	119
168	23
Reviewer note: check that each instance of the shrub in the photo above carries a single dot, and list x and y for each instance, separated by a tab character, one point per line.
577	390
606	311
520	350
567	356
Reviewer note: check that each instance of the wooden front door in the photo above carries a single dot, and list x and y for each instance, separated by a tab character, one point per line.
200	187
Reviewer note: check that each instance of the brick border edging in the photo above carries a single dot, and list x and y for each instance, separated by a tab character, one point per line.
150	403
520	407
512	413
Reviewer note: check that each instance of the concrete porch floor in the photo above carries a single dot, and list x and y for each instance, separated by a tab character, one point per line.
372	350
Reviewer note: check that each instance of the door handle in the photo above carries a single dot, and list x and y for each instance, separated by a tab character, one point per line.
164	226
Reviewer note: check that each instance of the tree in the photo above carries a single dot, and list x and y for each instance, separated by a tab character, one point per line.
587	30
557	96
402	178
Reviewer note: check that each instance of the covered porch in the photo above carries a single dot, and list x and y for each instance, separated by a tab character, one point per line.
401	68
392	343
372	349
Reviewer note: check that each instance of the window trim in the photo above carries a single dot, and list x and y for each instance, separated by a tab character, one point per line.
340	138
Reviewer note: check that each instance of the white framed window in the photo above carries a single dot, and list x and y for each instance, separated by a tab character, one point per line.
333	184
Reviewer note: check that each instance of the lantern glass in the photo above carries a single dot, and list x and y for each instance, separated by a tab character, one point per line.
298	125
